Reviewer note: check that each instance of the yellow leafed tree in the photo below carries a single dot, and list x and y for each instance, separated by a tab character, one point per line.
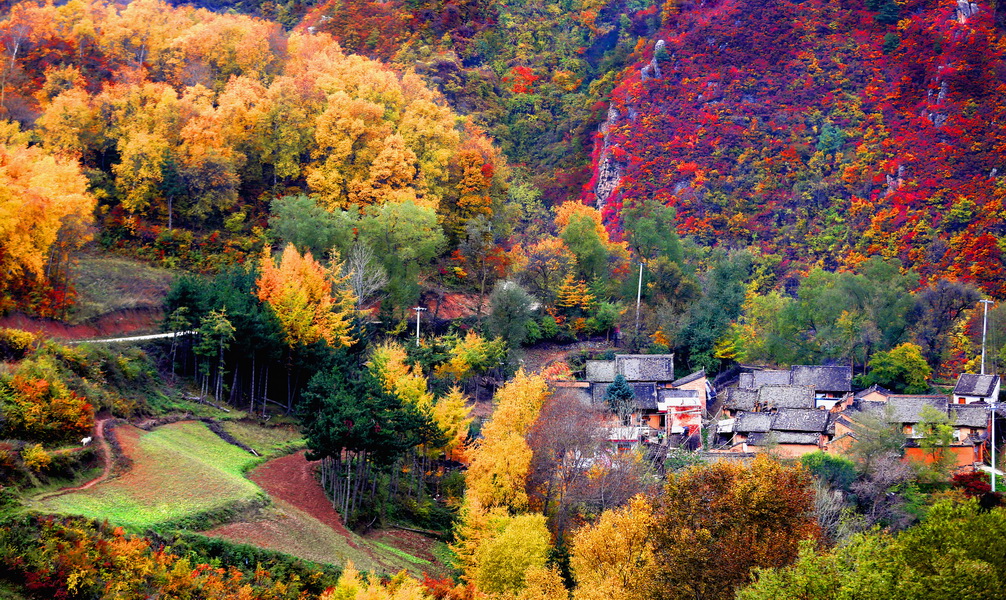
497	475
387	362
613	558
451	413
310	301
354	586
519	546
45	211
453	416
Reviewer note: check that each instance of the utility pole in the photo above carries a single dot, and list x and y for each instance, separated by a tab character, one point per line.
985	321
992	439
419	310
992	442
639	294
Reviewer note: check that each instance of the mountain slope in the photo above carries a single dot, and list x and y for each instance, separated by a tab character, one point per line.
820	132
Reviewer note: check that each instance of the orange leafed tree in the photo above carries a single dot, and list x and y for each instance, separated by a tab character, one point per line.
45	211
39	410
310	301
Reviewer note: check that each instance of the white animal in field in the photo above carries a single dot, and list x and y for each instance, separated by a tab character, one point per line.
85	441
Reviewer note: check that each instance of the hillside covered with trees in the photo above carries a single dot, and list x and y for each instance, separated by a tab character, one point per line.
382	242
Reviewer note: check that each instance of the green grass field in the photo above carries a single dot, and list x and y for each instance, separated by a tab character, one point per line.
181	473
267	441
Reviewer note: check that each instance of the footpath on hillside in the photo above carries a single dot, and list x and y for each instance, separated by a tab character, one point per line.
105	452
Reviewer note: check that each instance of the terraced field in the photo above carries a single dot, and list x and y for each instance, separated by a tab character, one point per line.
182	473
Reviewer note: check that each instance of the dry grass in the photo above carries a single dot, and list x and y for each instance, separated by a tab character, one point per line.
107	284
285	528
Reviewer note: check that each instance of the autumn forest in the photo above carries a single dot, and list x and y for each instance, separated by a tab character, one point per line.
353	267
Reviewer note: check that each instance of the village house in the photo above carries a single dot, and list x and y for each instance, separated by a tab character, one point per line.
976	388
969	422
665	410
830	384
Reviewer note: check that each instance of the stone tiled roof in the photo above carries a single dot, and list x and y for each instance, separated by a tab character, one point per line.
645	367
773	377
970	415
598	390
830	428
975	385
800	419
689	378
786	396
823	378
600	370
908	409
749	422
570	394
671	395
874	388
784	437
646	395
745	381
740	399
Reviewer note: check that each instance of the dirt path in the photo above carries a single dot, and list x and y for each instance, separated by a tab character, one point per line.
106	458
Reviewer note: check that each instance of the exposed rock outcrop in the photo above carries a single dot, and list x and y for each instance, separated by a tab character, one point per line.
609	169
965	10
652	69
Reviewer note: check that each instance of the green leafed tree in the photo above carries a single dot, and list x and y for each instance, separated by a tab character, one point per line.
406	238
620	398
510	308
902	369
301	221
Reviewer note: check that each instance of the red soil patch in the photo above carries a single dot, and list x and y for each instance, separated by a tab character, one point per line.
115	323
291	478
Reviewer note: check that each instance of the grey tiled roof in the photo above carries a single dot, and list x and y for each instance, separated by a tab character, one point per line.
775	377
822	378
975	385
579	395
786	396
645	367
784	437
874	388
908	409
970	415
800	419
753	421
689	378
832	417
740	399
600	370
745	381
646	395
597	391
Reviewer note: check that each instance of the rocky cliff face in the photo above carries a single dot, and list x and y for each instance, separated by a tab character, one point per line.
965	10
609	169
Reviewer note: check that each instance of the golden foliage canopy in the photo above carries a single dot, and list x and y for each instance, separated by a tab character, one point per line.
309	300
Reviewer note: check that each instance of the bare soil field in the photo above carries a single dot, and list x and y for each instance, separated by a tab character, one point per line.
302	522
